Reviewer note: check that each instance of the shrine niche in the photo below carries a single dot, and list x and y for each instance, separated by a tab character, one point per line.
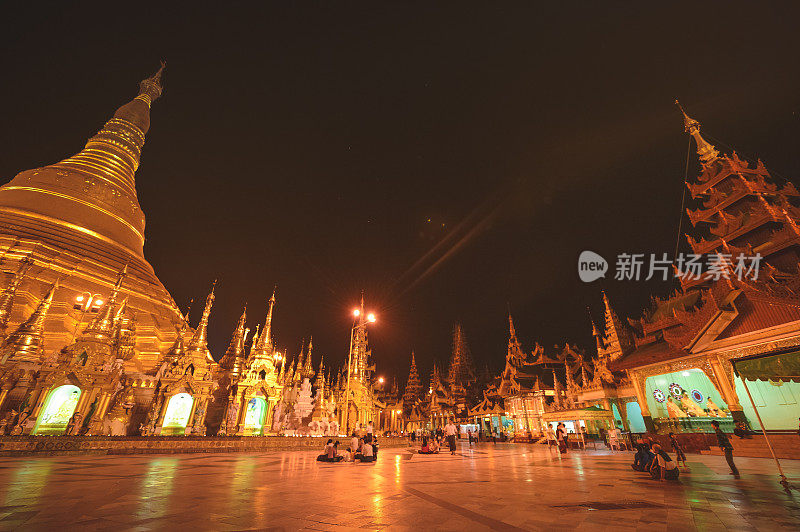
177	414
58	410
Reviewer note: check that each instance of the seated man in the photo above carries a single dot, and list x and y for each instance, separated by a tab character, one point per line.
355	447
366	454
663	468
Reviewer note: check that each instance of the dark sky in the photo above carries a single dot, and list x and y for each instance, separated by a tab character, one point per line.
308	146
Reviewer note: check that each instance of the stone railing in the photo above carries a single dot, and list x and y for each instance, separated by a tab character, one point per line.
104	445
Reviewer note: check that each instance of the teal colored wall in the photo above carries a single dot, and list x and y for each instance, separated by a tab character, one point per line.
776	404
617	417
635	419
692	379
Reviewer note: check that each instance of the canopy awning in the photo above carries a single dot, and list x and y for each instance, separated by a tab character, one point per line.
586	414
783	367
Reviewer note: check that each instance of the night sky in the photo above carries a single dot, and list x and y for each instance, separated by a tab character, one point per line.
451	161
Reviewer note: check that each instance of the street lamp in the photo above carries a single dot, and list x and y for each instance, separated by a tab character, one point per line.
85	302
358	323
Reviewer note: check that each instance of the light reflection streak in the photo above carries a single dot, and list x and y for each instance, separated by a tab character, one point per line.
27	482
157	487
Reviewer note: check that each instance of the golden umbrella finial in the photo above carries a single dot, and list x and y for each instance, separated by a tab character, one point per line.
706	151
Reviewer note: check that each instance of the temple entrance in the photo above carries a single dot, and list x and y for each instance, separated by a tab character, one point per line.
58	410
686	401
255	416
179	410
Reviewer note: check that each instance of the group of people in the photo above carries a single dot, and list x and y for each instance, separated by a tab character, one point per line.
362	449
431	443
651	458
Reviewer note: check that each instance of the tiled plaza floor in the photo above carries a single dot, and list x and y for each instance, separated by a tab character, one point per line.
507	487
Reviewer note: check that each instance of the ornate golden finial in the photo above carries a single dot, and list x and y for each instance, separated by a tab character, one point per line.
234	358
266	336
199	341
188	310
150	88
10	292
706	151
121	310
102	326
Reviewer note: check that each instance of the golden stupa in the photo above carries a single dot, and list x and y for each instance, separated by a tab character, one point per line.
79	221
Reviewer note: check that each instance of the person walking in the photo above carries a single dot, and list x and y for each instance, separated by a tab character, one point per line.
469	435
680	456
561	437
725	444
450	431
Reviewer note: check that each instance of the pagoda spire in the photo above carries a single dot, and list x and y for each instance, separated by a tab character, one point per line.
617	340
233	359
413	385
102	326
557	389
254	341
265	340
706	151
268	322
10	292
95	189
308	370
598	337
26	343
514	347
199	341
301	356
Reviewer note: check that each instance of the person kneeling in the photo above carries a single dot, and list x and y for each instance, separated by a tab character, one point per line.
663	468
366	454
643	458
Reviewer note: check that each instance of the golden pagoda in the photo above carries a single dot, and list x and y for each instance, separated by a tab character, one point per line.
79	221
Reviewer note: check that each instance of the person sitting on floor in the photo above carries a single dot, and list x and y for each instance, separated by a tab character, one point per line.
428	446
330	454
644	457
663	468
366	454
355	447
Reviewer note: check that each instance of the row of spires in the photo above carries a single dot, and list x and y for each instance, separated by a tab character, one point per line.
25	343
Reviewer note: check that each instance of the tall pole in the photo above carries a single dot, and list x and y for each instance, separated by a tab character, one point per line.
347	389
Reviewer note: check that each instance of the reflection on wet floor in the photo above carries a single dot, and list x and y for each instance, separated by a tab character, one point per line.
502	487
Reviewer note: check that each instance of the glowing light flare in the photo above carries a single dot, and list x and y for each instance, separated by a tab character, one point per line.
371	318
98	302
380	380
79	299
356	313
